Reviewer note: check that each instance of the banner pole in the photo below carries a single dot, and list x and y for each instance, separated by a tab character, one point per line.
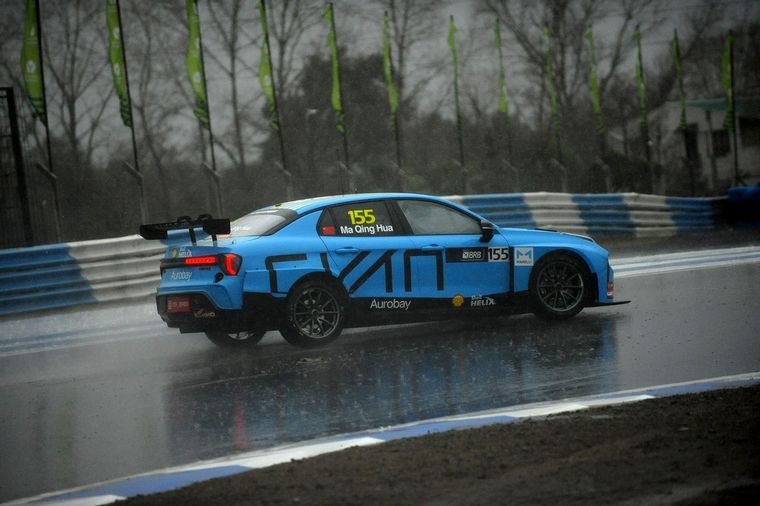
205	88
143	208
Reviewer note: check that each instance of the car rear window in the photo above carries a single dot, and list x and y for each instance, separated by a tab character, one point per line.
358	219
262	222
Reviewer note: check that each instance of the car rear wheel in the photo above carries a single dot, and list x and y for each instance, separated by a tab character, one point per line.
314	314
558	287
236	339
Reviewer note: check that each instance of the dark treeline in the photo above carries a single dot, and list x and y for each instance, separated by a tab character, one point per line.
503	153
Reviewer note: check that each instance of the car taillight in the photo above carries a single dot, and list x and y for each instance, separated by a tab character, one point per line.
208	260
230	263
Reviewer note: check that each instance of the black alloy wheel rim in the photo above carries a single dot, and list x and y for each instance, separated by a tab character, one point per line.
560	286
316	313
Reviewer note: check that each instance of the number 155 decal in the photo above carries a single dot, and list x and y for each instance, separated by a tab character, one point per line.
498	254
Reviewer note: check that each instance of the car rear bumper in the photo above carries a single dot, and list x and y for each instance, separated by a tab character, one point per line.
200	314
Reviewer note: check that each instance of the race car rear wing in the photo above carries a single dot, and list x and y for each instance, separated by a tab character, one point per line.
210	225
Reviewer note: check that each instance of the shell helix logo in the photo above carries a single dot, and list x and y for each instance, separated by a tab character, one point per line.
174	252
457	301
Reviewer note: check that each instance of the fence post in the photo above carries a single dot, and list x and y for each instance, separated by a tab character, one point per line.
141	184
559	167
18	161
54	183
217	184
516	172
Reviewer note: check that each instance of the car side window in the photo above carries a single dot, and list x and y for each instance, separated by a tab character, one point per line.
360	219
431	218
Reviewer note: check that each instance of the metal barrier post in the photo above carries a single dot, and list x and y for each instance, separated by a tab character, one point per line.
140	183
54	183
560	167
217	183
18	161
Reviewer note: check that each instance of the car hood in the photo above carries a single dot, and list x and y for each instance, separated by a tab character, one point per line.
537	237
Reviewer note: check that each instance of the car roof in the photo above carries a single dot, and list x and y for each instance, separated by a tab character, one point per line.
307	205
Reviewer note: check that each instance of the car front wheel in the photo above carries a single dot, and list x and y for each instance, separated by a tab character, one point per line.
314	314
558	287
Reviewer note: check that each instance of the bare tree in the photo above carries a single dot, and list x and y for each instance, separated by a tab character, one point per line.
158	97
76	60
231	41
568	22
289	22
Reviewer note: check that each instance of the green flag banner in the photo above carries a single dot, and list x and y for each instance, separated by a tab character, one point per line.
550	84
640	78
31	62
727	77
676	50
194	63
503	103
388	68
336	99
116	59
265	69
596	98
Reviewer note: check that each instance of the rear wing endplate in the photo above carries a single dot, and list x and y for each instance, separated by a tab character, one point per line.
210	225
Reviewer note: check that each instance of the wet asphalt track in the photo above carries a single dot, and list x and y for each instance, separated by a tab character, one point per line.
121	395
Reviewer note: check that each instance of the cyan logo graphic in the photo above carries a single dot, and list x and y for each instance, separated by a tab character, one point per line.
524	256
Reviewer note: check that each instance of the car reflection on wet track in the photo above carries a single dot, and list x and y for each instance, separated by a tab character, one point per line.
247	401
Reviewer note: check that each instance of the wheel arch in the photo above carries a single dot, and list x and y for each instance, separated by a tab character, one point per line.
590	276
321	276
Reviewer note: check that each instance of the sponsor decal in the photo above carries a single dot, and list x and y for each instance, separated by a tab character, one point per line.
178	304
181	252
457	301
465	255
203	313
390	304
492	254
524	256
481	301
377	228
180	275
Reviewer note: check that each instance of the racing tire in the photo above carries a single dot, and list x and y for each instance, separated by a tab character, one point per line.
315	312
559	286
242	339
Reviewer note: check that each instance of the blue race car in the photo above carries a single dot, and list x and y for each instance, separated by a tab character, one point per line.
311	268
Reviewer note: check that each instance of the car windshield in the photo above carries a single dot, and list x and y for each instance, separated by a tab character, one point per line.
262	222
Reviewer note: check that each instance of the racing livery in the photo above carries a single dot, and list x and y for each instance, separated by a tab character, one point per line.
312	267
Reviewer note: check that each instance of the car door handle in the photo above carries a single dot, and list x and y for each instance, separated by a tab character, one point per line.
347	251
432	247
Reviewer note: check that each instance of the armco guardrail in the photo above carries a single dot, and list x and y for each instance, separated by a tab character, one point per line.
126	268
59	275
615	213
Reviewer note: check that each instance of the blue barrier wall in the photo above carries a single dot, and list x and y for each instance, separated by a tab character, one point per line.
41	277
616	213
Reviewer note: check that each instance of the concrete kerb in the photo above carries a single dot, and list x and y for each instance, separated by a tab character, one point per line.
177	477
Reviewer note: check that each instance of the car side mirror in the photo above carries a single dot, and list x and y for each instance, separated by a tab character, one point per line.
486	231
